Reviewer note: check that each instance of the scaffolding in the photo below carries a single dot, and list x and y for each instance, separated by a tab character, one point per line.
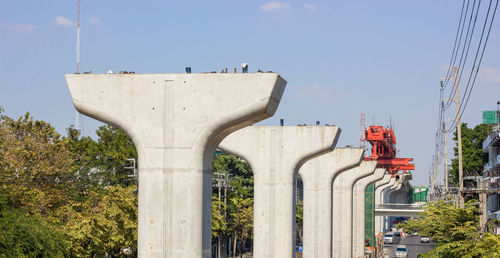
370	214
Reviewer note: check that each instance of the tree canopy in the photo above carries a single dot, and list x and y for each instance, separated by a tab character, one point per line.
454	231
473	158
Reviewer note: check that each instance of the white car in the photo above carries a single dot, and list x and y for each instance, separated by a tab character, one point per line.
425	239
401	251
392	237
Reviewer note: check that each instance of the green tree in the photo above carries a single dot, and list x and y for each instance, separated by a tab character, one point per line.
26	235
34	160
454	231
241	224
106	224
219	224
299	219
238	217
240	173
472	150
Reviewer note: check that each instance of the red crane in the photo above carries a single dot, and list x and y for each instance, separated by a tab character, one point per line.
383	143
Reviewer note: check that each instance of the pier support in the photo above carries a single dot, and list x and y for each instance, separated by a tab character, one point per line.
318	176
176	122
342	207
276	154
358	213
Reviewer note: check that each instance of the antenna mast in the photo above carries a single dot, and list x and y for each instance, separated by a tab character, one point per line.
77	116
78	40
362	135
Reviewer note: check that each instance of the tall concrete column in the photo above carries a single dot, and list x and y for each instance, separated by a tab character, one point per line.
358	213
388	191
342	207
384	181
387	198
317	176
276	154
379	199
176	122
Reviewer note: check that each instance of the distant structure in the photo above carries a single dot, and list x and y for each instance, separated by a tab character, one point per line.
77	115
383	150
362	128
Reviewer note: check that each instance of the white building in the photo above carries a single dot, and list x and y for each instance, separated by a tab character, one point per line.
491	145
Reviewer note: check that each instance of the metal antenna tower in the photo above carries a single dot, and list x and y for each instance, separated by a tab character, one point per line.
77	115
362	127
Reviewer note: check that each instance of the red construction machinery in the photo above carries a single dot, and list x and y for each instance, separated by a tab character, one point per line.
383	143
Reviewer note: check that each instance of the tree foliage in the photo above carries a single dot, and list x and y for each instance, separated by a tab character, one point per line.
473	158
24	235
454	231
65	196
33	157
106	224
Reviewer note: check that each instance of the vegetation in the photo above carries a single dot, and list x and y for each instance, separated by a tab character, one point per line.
454	231
72	196
472	150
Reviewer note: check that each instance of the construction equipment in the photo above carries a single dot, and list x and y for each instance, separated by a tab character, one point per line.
383	150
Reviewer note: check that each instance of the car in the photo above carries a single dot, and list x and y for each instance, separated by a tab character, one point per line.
425	239
401	251
392	237
414	233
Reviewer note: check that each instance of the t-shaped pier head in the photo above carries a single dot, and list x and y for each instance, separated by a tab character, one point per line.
176	122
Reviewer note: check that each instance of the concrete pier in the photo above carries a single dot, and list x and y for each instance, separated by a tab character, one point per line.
317	176
176	122
342	207
379	199
358	214
276	154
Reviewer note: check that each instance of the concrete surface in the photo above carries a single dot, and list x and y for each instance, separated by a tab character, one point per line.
318	176
342	207
379	199
358	212
387	199
176	121
276	154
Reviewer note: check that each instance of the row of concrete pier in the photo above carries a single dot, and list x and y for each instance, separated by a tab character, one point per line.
177	121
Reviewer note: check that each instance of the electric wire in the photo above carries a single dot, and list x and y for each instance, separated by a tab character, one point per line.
462	61
455	45
470	86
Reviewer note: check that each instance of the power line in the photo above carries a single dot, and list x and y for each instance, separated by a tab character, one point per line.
469	86
453	53
468	39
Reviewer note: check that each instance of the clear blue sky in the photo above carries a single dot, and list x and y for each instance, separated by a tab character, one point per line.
340	57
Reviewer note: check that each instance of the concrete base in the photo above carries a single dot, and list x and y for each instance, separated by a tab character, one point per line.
342	207
176	122
358	214
276	155
317	176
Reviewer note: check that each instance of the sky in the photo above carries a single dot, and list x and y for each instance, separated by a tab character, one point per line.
340	58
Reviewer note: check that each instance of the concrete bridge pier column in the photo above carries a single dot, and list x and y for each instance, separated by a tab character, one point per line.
388	200
358	213
317	176
379	199
276	154
176	122
342	207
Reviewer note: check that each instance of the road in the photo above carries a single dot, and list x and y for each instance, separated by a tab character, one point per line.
412	243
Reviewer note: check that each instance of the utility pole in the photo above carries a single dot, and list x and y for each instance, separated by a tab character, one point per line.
483	198
439	167
459	134
445	159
